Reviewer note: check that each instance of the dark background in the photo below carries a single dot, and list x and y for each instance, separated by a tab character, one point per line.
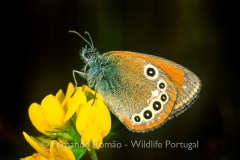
38	56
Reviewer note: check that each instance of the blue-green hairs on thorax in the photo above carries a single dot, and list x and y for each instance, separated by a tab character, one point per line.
93	69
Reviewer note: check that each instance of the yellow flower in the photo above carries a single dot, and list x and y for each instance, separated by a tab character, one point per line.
51	113
41	148
93	120
60	151
77	100
48	149
91	123
35	156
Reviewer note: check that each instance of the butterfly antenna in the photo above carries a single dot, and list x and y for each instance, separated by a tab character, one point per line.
90	44
86	32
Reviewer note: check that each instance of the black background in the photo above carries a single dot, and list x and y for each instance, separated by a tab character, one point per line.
38	56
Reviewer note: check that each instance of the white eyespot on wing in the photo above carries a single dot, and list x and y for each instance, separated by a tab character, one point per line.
156	105
147	114
137	118
162	85
163	97
151	72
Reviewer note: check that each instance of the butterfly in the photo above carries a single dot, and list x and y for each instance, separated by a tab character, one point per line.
143	91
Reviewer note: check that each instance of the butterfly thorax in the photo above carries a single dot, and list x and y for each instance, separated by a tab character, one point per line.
95	66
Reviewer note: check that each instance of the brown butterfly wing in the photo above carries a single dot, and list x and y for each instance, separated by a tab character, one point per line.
133	96
188	85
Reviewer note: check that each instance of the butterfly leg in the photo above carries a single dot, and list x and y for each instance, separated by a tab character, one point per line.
82	74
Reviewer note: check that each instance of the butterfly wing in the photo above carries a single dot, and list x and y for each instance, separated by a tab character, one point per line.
144	91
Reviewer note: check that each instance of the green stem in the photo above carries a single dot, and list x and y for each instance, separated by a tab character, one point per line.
93	154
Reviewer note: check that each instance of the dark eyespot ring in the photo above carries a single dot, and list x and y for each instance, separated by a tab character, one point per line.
137	118
163	97
147	114
151	72
156	105
162	85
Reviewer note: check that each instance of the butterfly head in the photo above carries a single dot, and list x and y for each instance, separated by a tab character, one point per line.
89	54
94	62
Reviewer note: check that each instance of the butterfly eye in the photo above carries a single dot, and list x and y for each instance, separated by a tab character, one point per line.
90	52
88	55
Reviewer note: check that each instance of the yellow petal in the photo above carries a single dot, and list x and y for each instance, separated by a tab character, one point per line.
38	146
53	111
93	122
38	119
60	96
59	151
91	137
70	90
85	118
102	117
35	156
77	100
